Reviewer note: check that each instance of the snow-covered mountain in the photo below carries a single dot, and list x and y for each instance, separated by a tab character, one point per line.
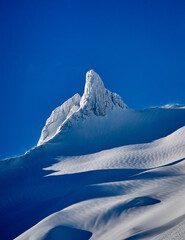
95	100
100	170
101	120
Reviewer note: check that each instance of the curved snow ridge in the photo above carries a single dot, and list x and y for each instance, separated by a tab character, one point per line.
95	100
134	206
140	156
141	210
90	215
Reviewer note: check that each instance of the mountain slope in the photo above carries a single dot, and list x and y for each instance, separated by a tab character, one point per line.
101	170
100	120
58	116
146	197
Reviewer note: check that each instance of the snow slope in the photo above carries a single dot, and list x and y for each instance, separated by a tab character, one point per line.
145	199
58	116
101	171
142	156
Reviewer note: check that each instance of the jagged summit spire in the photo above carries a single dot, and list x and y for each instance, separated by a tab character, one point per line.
93	82
93	78
96	99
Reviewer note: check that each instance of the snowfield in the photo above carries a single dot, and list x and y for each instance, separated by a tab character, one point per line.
100	171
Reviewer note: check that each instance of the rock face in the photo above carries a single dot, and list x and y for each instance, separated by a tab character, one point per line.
95	100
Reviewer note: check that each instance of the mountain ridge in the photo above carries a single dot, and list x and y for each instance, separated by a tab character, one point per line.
95	100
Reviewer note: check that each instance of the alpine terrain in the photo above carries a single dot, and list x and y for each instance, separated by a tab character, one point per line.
100	170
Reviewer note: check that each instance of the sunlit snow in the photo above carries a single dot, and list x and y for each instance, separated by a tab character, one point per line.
100	171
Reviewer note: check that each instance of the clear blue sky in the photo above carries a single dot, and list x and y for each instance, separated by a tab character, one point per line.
46	47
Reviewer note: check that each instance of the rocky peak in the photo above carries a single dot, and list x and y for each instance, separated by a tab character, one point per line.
96	97
95	100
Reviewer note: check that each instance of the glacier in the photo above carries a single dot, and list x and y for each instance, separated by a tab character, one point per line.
100	170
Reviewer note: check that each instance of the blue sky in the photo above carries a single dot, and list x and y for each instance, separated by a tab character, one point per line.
46	47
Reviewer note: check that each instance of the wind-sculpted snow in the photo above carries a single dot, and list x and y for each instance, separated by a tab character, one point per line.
96	99
131	192
144	201
142	156
101	171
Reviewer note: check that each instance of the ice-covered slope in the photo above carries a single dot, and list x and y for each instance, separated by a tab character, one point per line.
58	116
68	188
